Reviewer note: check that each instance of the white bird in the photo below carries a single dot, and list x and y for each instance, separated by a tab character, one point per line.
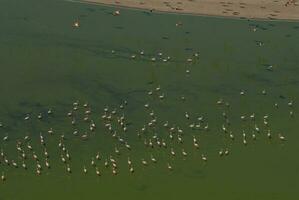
14	164
253	136
256	128
127	146
194	139
46	153
112	160
144	162
76	24
252	116
171	136
169	167
161	96
5	138
204	158
219	102
98	171
158	88
50	111
129	161
50	131
198	125
231	135
221	152
3	178
2	153
68	155
68	169
92	162
34	156
187	115
63	159
269	134
206	127
27	117
224	128
180	130
172	152
281	137
226	152
38	171
98	156
180	139
184	153
114	172
39	116
153	159
150	143
164	143
165	124
106	163
47	164
131	169
38	165
116	13
189	60
24	155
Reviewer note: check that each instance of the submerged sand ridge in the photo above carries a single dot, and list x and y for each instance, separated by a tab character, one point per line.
263	9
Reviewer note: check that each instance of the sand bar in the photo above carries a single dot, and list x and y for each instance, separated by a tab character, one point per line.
258	9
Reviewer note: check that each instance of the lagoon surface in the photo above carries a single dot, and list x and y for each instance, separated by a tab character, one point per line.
46	63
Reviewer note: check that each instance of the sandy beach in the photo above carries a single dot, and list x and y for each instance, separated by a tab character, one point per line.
260	9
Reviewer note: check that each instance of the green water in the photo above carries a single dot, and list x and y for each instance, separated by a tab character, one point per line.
46	63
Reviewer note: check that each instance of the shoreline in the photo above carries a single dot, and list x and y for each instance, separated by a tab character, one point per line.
185	12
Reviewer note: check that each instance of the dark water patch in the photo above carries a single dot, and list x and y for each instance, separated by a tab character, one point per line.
83	16
108	13
188	49
195	174
91	87
32	105
288	83
259	78
282	96
134	92
91	9
142	187
119	27
147	13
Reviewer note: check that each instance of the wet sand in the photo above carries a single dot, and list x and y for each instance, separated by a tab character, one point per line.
259	9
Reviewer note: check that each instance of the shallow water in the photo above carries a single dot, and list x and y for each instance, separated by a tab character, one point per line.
46	63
